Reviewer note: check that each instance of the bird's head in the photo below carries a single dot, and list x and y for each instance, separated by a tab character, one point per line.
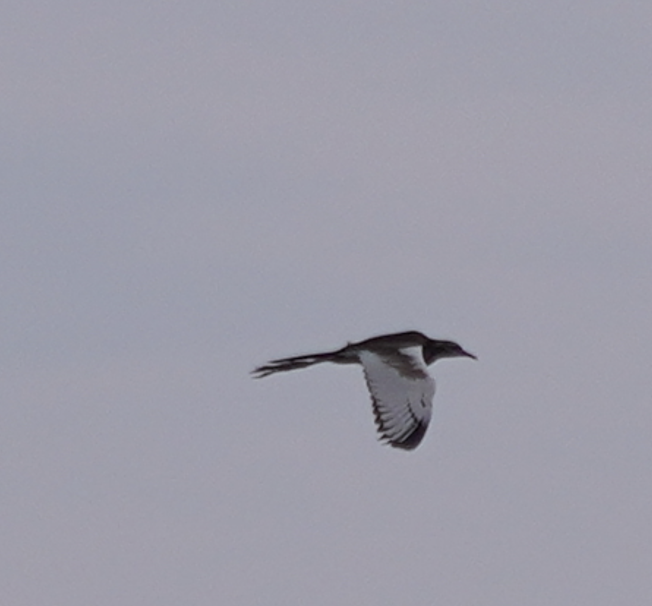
433	350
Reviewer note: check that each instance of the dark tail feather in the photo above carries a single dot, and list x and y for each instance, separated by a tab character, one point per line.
285	364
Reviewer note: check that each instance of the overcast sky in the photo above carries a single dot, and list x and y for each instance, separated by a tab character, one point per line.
189	189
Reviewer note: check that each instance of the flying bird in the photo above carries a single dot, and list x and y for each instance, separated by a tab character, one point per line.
396	371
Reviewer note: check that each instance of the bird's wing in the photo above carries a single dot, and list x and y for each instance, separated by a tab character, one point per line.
401	392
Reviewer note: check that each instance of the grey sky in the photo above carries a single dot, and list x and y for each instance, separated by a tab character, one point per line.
190	189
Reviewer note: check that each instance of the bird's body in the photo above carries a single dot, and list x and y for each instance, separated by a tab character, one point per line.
396	371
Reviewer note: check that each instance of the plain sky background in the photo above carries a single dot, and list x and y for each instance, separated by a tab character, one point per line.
191	188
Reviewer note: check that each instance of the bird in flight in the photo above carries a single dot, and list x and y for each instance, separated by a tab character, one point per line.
396	371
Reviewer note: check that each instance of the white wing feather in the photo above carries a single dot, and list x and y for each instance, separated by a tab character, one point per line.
402	394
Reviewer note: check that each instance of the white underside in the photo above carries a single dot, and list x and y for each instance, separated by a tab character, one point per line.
402	403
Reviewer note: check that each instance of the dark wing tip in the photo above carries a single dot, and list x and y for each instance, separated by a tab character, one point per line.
407	441
412	440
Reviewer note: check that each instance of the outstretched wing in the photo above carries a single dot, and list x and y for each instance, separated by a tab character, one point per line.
401	392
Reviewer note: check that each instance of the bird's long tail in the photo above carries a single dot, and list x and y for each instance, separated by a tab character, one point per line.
285	364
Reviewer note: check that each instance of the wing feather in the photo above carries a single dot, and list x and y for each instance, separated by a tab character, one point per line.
401	392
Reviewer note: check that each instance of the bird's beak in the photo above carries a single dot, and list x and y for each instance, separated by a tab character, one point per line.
469	355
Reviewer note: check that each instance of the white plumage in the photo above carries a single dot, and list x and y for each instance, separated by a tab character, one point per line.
402	402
